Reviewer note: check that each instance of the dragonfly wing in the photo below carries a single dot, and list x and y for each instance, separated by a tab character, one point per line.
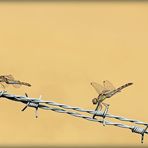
108	85
10	77
3	84
16	85
99	88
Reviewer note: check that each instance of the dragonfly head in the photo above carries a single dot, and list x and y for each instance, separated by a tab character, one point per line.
95	101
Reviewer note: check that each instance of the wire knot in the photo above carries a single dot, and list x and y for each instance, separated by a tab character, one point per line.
139	130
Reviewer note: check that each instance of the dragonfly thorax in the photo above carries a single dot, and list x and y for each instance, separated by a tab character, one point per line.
100	98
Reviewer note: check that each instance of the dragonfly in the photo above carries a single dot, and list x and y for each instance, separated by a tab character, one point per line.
107	90
9	79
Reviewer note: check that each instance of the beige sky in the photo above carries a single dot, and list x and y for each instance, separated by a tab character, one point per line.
60	48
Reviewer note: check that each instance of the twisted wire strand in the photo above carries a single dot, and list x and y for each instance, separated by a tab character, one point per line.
98	113
39	103
25	100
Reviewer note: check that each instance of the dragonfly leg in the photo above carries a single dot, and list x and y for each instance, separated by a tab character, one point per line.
26	94
100	107
105	104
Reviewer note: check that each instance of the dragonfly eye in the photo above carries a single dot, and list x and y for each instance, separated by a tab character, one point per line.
95	101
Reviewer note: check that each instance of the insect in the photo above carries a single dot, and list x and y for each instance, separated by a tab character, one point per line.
107	90
9	79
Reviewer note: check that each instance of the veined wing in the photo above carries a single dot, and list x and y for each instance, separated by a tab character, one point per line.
17	84
108	85
99	88
9	77
12	81
3	84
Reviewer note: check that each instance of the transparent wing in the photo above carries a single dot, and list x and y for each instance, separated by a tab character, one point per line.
3	84
17	85
108	85
10	77
99	88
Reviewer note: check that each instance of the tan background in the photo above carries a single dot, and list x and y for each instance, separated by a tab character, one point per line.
60	48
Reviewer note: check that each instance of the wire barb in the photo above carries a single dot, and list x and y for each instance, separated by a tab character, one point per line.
37	107
26	106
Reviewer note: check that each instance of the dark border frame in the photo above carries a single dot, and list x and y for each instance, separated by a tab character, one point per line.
69	1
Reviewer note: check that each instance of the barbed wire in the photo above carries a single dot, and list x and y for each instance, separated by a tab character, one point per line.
42	104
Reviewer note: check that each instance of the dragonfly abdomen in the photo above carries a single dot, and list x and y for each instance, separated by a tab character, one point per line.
123	86
18	83
25	83
111	93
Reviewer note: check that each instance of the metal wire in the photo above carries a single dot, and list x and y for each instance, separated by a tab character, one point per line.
42	104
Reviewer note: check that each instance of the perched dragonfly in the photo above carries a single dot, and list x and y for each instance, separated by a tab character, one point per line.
106	90
9	79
